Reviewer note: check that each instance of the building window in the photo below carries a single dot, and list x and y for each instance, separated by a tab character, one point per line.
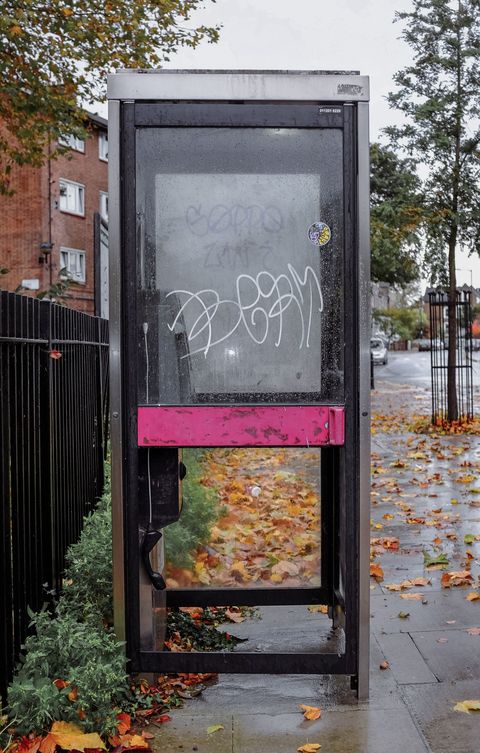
103	146
74	142
72	197
104	205
72	264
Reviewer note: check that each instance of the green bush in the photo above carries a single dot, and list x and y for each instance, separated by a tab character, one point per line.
74	645
88	573
83	654
200	511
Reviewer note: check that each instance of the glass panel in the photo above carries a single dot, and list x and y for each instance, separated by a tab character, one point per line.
250	517
237	299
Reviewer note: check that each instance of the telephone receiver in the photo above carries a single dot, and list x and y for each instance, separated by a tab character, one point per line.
150	540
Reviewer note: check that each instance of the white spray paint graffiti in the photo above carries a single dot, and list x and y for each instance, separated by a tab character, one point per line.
260	305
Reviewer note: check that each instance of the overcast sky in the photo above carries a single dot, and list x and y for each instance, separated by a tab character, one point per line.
313	34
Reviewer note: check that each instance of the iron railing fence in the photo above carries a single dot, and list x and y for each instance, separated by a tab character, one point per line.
53	436
438	309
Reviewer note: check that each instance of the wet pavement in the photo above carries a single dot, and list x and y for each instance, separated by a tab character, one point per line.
426	495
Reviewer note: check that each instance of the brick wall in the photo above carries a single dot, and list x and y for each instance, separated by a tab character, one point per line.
25	219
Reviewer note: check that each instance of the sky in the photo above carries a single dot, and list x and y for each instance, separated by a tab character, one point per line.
314	34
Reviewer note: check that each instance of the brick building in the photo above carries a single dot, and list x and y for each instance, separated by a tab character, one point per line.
48	224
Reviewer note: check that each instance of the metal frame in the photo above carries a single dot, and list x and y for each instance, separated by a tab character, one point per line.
350	520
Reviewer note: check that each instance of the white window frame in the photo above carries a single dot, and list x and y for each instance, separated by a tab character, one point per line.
74	264
103	146
103	205
74	142
74	196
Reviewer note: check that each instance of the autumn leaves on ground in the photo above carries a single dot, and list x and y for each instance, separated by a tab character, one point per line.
265	532
269	525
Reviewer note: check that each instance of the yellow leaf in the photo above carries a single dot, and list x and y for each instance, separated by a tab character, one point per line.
276	578
214	728
322	608
376	571
473	596
15	30
67	11
416	596
309	748
134	742
310	712
70	737
467	706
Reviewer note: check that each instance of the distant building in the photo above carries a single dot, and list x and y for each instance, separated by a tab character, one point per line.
384	296
52	221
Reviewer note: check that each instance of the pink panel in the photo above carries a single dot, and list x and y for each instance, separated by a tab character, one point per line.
243	426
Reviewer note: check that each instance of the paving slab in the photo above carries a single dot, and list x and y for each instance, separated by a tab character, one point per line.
358	731
450	654
405	659
288	629
445	730
445	609
185	733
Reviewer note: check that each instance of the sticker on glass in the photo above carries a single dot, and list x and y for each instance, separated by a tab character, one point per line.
319	234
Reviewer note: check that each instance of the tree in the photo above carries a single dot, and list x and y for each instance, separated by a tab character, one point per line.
395	217
54	57
405	323
438	95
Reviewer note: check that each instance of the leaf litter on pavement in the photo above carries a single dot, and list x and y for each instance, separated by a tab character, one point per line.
429	464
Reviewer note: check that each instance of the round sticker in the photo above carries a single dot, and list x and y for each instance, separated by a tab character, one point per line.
319	234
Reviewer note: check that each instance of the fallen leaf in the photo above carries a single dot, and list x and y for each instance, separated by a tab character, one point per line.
442	640
473	596
214	728
384	665
161	719
456	578
376	571
430	560
60	684
404	615
467	706
48	744
473	631
322	608
133	742
124	723
70	737
234	614
309	748
469	538
415	596
310	712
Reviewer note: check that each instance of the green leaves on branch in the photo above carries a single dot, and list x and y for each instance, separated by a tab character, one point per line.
54	58
396	216
438	95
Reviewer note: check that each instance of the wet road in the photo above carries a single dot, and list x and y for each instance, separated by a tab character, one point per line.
413	367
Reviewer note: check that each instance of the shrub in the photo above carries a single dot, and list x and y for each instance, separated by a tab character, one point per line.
73	671
200	511
88	573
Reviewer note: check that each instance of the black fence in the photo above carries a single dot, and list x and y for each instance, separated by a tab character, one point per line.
438	306
53	433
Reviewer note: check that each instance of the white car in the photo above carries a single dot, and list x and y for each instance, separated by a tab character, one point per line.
379	350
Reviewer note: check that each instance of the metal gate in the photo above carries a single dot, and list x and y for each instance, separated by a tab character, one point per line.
438	309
